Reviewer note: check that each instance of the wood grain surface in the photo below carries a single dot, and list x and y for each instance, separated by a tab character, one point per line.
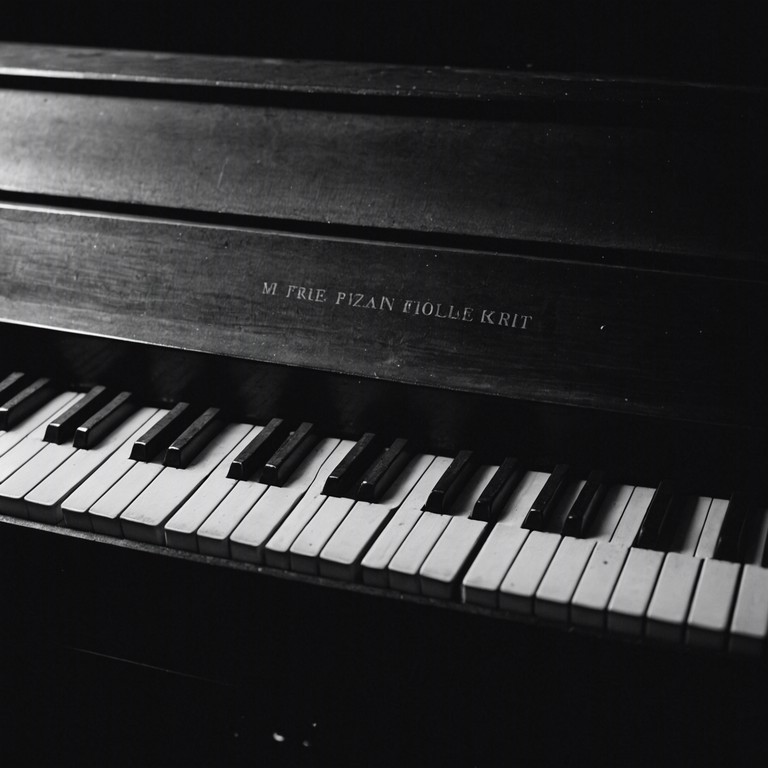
630	340
691	182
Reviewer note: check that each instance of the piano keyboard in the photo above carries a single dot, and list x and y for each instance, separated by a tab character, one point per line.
550	546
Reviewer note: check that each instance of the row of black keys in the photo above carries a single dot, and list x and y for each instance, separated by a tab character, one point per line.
367	470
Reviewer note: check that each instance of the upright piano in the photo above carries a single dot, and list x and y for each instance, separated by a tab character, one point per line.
379	414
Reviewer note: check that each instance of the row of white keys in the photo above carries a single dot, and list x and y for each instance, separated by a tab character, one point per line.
555	594
376	560
654	590
273	543
247	541
593	593
181	528
213	535
47	457
668	608
712	602
404	569
341	556
525	575
749	624
315	536
482	581
43	502
439	574
96	504
25	440
143	519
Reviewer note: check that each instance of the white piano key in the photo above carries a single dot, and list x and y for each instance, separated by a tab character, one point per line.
76	507
144	518
749	625
672	597
303	490
44	501
440	572
277	549
483	579
610	512
305	551
633	516
35	423
561	579
522	498
181	528
403	568
589	605
27	446
526	572
705	547
374	563
693	525
105	512
23	480
213	535
632	594
341	556
710	613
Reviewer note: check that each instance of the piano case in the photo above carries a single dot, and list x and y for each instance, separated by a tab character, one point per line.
560	267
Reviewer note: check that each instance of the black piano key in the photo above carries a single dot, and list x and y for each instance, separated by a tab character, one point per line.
384	470
11	384
193	439
289	455
351	467
584	509
733	539
24	402
451	482
63	428
160	436
95	428
658	522
256	453
495	495
542	509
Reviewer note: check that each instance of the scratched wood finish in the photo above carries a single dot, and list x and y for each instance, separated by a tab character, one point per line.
669	187
628	340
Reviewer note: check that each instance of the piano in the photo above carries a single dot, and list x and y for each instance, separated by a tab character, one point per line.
383	414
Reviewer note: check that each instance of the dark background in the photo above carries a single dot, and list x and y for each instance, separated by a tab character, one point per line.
704	41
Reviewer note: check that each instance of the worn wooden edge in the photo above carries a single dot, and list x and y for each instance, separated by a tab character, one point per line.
320	582
331	78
